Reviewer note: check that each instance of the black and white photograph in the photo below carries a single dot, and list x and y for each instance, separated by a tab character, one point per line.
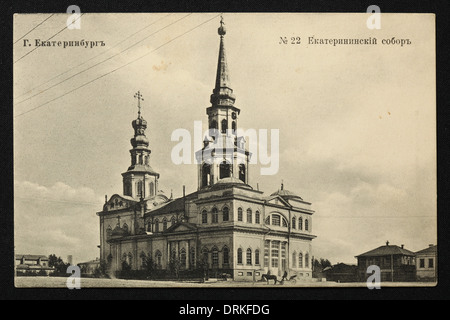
224	150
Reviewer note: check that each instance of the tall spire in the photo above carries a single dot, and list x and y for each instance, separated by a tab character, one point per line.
222	93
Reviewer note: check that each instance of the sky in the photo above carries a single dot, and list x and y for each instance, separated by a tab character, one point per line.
356	122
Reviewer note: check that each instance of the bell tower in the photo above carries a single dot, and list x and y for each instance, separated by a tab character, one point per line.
223	154
140	181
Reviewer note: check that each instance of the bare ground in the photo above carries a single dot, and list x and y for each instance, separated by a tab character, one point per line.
60	282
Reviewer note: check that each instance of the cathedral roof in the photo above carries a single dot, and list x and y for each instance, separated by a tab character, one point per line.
142	168
230	181
286	194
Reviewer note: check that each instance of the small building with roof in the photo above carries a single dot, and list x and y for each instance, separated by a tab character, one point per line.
27	264
396	263
426	264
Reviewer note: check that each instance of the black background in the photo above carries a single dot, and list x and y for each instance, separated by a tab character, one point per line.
281	300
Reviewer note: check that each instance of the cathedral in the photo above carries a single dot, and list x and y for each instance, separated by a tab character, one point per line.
226	226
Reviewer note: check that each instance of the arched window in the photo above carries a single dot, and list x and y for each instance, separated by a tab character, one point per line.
225	214
173	221
156	225
143	258
164	224
215	215
183	258
249	215
125	227
204	216
192	257
225	170
224	125
149	227
257	217
213	125
206	175
294	222
242	172
240	217
233	126
140	159
226	255
300	260
300	223
239	256
215	257
158	259
139	189
127	189
257	257
151	188
306	259
249	256
306	224
146	160
294	260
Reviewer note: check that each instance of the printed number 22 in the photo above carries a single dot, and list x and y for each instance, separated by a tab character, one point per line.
295	40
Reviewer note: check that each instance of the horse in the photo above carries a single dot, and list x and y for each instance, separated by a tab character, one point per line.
268	277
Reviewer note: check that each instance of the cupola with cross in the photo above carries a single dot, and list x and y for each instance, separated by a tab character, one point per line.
140	180
224	154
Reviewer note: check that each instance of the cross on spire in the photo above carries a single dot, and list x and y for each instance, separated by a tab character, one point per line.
138	96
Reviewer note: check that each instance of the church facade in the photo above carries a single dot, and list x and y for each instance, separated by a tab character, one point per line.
225	226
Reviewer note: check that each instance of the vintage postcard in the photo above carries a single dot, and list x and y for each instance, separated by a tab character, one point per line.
224	150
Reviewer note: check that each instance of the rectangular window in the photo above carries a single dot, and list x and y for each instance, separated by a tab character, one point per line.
249	257
275	253
215	258
276	220
240	273
422	263
249	274
266	253
430	263
257	257
257	217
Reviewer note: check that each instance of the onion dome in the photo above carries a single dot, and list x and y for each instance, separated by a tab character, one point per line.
139	139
